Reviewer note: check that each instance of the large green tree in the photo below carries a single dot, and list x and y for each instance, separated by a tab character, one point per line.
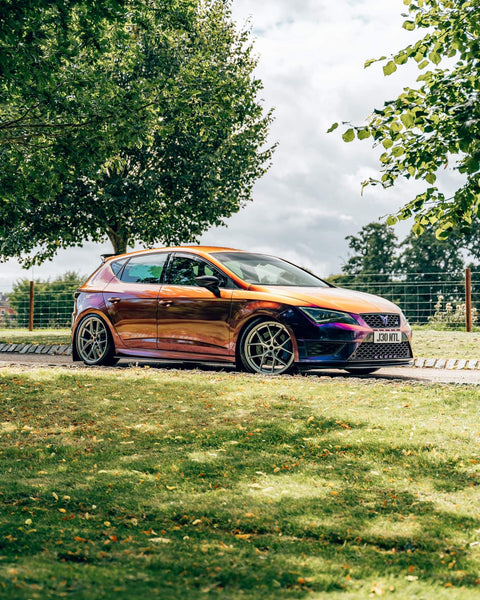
436	124
178	151
373	253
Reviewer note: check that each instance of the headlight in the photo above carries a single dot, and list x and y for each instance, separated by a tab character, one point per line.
403	320
322	315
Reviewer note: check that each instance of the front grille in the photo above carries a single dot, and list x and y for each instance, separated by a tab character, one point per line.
322	348
371	351
379	321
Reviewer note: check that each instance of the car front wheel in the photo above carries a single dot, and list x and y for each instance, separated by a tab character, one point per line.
93	342
266	347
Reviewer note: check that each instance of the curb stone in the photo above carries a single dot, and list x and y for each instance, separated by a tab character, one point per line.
419	362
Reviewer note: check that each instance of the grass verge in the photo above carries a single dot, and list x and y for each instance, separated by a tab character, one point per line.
168	484
38	336
446	344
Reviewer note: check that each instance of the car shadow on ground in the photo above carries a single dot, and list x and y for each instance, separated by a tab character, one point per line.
222	368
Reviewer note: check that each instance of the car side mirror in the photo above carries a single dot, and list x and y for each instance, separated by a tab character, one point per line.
210	282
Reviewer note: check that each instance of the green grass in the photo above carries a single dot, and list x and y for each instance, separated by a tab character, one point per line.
446	344
38	336
167	484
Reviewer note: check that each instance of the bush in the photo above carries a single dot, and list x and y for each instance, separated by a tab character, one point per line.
450	314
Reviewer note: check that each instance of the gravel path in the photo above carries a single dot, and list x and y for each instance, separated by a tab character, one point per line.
434	375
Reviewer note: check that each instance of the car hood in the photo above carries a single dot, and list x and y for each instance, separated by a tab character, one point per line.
334	298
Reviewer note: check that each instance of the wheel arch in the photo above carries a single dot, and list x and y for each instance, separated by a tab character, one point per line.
105	319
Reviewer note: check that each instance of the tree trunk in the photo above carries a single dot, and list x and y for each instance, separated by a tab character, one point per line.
119	241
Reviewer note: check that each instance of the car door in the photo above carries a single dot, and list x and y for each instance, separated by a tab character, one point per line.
192	321
132	300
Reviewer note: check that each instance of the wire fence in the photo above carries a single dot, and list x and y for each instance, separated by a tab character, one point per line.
438	299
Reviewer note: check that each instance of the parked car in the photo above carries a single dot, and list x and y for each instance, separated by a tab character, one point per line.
260	312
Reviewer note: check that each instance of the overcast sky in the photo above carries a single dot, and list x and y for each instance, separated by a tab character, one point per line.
311	57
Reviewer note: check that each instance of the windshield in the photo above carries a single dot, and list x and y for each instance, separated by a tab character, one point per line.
267	270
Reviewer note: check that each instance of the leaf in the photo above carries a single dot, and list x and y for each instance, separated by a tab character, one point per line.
349	135
409	25
332	127
389	68
392	220
363	134
407	119
431	178
418	229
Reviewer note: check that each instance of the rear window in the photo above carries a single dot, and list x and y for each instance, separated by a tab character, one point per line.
146	268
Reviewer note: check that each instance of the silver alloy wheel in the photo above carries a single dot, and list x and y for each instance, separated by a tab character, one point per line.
93	343
268	348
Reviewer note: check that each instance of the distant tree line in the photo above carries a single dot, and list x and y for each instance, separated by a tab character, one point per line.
426	265
53	301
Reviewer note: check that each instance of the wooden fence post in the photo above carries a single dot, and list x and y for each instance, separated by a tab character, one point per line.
468	299
31	309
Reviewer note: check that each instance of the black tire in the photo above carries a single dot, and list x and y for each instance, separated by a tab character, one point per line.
266	347
362	371
93	342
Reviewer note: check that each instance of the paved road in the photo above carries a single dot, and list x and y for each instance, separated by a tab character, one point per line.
465	376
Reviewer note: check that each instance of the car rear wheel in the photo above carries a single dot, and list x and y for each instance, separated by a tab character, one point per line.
266	347
361	371
93	342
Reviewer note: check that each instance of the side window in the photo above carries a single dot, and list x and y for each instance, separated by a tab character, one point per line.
183	270
146	268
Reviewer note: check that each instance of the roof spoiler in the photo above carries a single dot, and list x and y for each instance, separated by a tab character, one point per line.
105	256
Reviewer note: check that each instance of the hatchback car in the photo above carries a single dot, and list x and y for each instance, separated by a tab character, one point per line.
259	312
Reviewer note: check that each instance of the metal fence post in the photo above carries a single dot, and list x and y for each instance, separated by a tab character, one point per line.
31	308
468	299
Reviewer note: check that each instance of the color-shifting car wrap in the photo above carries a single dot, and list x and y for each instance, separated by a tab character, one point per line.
260	312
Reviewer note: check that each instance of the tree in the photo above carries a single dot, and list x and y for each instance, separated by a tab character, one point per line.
374	255
431	268
200	144
437	124
53	300
61	102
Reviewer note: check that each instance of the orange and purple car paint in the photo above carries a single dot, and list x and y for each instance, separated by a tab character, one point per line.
259	312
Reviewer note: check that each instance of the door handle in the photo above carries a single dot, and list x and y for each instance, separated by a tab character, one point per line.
114	300
166	302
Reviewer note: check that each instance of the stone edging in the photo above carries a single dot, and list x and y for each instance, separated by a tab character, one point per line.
66	350
58	349
447	363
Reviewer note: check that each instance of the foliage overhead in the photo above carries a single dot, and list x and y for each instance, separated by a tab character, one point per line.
142	124
436	125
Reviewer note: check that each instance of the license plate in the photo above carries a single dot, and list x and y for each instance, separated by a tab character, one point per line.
387	337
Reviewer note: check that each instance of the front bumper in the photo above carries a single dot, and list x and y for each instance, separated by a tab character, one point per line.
339	345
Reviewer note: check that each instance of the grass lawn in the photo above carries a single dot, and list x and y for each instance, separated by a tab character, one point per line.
446	344
167	484
38	336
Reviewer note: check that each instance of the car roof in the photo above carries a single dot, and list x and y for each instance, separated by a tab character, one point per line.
194	249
